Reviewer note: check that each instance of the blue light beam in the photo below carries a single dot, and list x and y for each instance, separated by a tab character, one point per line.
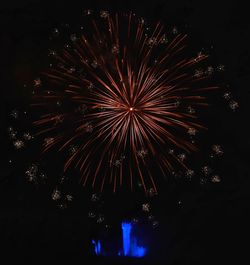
130	247
126	236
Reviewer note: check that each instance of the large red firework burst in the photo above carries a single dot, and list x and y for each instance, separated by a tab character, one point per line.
127	97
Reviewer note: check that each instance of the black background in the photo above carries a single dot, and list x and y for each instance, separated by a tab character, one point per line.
210	227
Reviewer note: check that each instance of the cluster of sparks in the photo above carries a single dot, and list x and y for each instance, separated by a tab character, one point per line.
127	97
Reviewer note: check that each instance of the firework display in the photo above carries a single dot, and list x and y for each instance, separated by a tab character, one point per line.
122	100
124	131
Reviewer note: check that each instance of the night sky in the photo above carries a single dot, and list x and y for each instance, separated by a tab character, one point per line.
210	224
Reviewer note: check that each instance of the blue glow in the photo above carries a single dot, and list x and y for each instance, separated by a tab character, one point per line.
126	236
130	247
97	246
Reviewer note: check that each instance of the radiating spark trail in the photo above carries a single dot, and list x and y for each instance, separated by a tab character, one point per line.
124	87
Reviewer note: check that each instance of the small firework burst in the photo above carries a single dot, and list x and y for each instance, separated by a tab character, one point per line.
215	179
27	136
217	149
14	114
146	207
234	105
56	195
37	82
18	144
206	170
192	131
189	173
